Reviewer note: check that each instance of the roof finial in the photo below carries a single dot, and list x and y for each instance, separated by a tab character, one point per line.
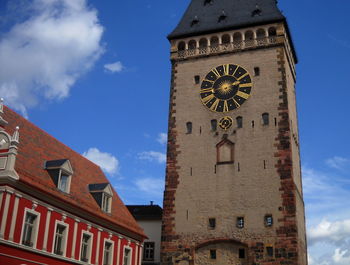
15	136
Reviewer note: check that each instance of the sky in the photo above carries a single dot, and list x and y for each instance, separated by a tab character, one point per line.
96	74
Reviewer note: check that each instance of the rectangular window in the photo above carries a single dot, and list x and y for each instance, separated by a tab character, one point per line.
107	253
196	79
59	239
63	183
105	203
29	229
85	248
240	222
268	220
148	251
126	260
241	253
212	223
213	254
269	251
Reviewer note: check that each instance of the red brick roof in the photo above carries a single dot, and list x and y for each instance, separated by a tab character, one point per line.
37	146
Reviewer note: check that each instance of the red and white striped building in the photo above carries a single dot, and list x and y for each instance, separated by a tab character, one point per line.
57	207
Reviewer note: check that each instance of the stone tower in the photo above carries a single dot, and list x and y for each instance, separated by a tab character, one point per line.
233	192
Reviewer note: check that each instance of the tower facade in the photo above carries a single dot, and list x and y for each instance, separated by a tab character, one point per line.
233	191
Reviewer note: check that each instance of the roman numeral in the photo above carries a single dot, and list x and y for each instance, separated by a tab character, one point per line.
246	85
216	72
236	103
242	95
215	105
242	76
225	106
208	98
206	90
226	69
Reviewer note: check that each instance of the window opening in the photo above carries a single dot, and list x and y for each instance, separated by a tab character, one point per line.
195	21
241	253
265	118
107	253
212	223
269	251
256	71
189	127
214	125
148	253
239	122
264	164
238	167
240	222
59	239
268	220
253	124
29	229
85	244
213	254
106	199
126	257
196	79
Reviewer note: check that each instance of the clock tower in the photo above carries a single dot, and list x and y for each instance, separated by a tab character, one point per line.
233	191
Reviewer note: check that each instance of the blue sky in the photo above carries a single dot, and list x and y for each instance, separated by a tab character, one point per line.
96	74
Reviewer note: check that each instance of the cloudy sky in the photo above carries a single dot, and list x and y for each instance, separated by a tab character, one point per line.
95	74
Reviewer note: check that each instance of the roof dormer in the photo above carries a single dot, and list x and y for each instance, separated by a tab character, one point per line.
102	194
61	172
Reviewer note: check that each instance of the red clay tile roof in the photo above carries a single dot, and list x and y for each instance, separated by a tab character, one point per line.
36	147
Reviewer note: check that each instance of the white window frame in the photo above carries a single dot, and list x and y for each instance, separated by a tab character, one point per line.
130	256
106	208
112	251
65	236
34	236
90	245
59	181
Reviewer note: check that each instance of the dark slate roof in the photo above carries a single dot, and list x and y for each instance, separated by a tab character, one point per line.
146	212
98	187
238	13
55	163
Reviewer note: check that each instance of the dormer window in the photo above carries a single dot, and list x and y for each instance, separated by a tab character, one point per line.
61	172
102	194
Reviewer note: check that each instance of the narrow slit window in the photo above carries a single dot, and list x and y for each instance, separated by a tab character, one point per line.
213	254
189	127
256	71
214	125
196	79
239	122
253	124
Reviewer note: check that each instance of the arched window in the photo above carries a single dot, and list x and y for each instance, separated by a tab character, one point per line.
181	46
260	33
214	125
226	39
249	35
239	121
192	45
214	41
189	127
203	43
272	32
265	119
237	36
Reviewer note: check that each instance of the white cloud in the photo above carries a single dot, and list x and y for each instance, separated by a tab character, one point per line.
162	138
337	233
106	161
341	257
151	186
152	156
44	55
338	162
114	67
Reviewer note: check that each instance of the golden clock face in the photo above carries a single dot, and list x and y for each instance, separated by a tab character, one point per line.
226	88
